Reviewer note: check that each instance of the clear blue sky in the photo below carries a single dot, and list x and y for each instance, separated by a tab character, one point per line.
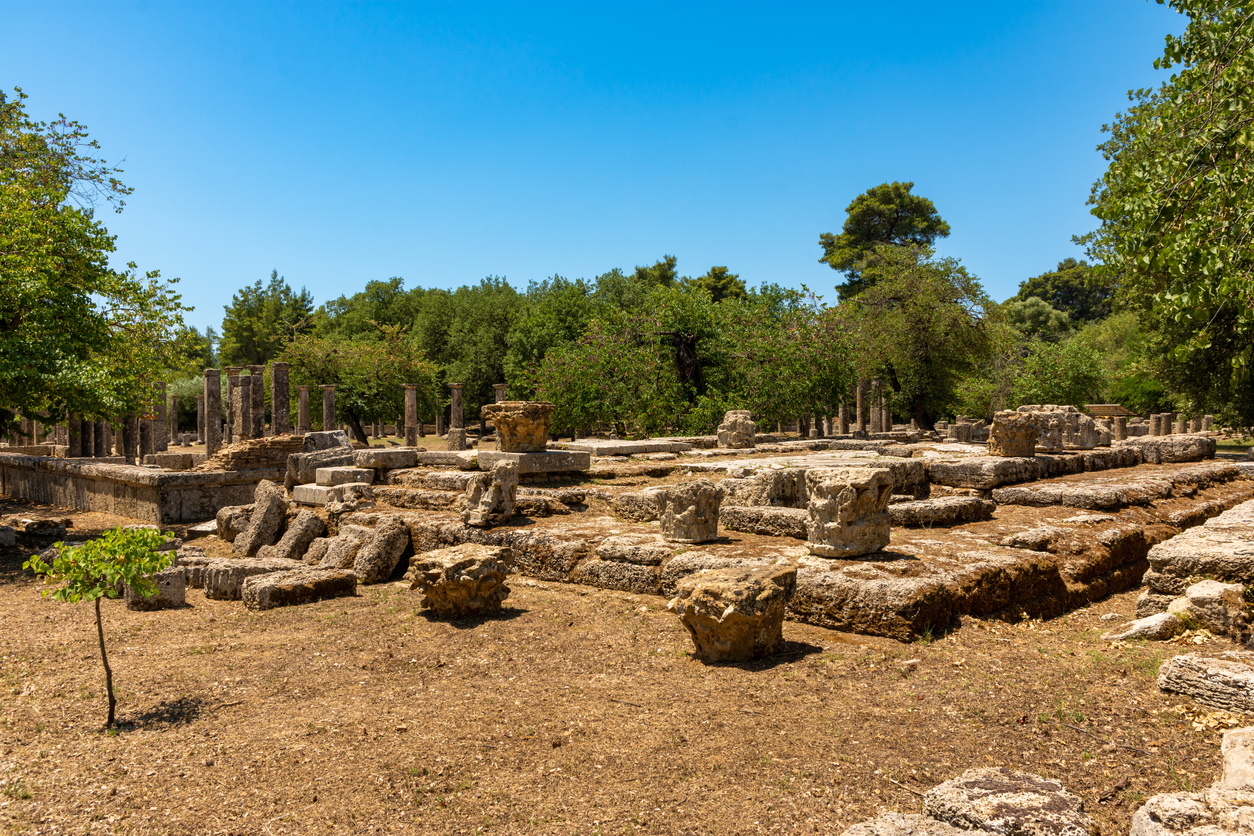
443	142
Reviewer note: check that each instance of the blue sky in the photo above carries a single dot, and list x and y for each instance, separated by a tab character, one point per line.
444	142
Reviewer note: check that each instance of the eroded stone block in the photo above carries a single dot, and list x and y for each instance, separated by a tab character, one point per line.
1013	434
521	426
269	511
688	513
735	614
297	586
491	496
848	511
463	581
738	429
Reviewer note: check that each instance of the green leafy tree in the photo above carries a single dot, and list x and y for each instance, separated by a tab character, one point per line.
1059	373
98	569
554	313
1074	288
921	325
261	319
75	335
885	214
379	303
1176	228
720	283
1121	344
1033	317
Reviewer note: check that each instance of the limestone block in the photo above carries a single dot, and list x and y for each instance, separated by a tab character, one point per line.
903	824
456	439
225	578
641	549
463	460
770	520
269	511
490	498
329	477
171	592
312	495
694	562
381	458
316	551
999	800
1013	434
302	468
1238	756
782	487
295	541
639	506
194	566
465	581
848	511
326	440
688	513
379	555
8	536
521	426
1171	449
942	511
737	430
735	614
1158	627
1219	607
960	432
616	574
342	549
1225	682
551	461
297	586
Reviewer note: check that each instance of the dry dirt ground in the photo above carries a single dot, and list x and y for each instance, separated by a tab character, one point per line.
577	711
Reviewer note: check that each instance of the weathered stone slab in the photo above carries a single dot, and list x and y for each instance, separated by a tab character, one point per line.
615	574
552	461
460	459
432	480
297	586
1226	682
320	495
380	554
302	468
171	592
639	506
1158	627
596	447
999	800
326	440
316	551
231	521
383	458
465	581
491	497
1219	549
341	550
735	614
224	578
643	550
943	511
773	521
329	477
904	824
1013	434
848	511
984	472
1095	496
269	511
1219	607
1172	448
688	513
300	533
420	499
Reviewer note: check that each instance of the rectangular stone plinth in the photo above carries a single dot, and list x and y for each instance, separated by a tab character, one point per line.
598	447
461	459
329	477
552	461
321	494
298	586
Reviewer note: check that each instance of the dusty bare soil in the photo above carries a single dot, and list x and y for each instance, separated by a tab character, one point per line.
578	710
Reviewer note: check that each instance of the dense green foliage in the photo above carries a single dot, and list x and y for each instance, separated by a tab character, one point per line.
1035	318
884	214
75	334
1058	373
1073	288
261	319
99	569
1177	230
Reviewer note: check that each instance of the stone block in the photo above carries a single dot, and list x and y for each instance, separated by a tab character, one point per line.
738	430
295	541
464	581
269	511
463	460
326	440
382	551
316	551
491	497
773	521
616	574
521	426
379	458
296	586
8	536
688	512
329	477
341	550
1013	434
903	824
1158	627
943	511
456	439
735	614
312	495
848	511
302	468
1226	682
959	432
999	800
639	506
641	549
552	461
171	592
224	579
1219	607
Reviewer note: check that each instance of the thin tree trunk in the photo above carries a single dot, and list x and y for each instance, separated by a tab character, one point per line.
104	657
354	423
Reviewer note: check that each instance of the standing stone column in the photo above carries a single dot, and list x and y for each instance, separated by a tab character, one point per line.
76	437
89	439
500	391
242	406
328	408
842	419
232	383
200	418
439	423
814	427
280	399
174	420
1121	428
257	402
877	414
146	441
1182	426
456	420
411	414
302	410
130	438
859	419
160	429
1208	421
1195	425
211	415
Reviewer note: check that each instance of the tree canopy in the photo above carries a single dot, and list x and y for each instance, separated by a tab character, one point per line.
1177	233
261	319
885	214
75	334
1073	288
